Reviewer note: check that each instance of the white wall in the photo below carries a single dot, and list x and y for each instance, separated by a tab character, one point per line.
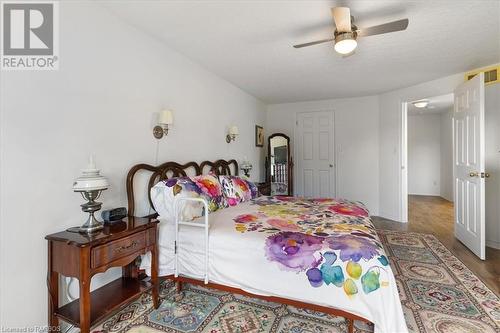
430	154
112	79
356	142
446	129
492	122
424	154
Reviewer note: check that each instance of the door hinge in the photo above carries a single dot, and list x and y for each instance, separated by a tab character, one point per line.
175	247
296	123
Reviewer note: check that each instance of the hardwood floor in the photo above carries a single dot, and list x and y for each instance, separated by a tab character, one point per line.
434	215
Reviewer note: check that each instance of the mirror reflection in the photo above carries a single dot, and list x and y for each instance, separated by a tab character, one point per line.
280	164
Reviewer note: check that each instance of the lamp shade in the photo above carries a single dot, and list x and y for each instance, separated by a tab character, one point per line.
233	130
91	179
166	117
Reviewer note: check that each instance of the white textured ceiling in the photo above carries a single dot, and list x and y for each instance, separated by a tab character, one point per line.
249	43
437	104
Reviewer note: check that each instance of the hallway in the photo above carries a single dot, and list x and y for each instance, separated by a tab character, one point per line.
434	215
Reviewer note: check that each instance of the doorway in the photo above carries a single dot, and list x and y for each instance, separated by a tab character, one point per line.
475	162
429	157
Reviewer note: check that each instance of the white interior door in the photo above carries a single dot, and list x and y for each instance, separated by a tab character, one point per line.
314	161
468	166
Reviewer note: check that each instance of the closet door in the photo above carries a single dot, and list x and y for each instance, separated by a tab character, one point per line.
314	162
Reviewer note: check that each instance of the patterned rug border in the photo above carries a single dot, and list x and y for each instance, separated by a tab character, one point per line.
440	249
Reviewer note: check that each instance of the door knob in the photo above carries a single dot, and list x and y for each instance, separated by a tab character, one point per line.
331	165
485	175
474	174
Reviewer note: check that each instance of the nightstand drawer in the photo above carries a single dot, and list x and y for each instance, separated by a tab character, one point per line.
106	253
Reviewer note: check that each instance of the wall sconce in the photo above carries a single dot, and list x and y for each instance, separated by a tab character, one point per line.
233	133
164	120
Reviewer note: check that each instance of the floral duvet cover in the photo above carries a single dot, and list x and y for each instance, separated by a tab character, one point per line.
316	236
320	251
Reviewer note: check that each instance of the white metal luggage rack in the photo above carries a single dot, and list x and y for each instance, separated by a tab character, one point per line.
192	224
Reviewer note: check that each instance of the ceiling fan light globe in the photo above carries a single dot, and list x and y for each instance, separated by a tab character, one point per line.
346	46
345	42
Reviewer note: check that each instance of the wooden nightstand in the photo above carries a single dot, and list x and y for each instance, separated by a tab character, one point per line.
81	256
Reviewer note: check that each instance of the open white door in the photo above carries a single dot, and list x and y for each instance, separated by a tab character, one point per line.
468	166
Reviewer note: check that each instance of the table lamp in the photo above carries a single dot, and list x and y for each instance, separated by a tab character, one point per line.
90	185
246	166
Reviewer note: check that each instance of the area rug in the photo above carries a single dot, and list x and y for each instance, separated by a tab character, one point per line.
437	291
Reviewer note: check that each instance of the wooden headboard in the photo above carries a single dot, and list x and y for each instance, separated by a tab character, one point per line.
173	169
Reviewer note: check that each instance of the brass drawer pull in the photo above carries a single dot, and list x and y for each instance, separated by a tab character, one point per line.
124	248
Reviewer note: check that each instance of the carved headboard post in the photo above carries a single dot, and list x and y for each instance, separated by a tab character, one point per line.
220	167
130	184
173	169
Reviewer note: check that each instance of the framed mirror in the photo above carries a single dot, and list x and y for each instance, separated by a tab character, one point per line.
279	164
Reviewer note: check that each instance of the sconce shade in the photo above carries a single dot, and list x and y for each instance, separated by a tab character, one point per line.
233	130
166	118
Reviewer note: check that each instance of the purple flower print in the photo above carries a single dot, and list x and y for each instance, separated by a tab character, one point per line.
171	181
353	247
185	182
315	277
191	186
294	250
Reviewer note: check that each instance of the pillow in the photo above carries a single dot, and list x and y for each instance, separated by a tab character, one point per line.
164	193
212	191
235	189
254	190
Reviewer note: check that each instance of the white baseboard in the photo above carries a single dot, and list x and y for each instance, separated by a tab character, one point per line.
389	217
493	244
426	194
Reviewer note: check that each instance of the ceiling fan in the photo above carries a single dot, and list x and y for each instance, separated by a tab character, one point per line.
346	32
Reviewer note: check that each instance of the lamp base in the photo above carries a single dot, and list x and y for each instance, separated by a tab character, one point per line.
91	225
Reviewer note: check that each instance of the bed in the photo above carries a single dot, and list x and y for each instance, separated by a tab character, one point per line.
319	254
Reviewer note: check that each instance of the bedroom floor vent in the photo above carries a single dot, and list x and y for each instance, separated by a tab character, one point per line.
491	75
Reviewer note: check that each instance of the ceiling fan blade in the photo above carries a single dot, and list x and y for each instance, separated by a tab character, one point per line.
384	28
342	18
298	46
